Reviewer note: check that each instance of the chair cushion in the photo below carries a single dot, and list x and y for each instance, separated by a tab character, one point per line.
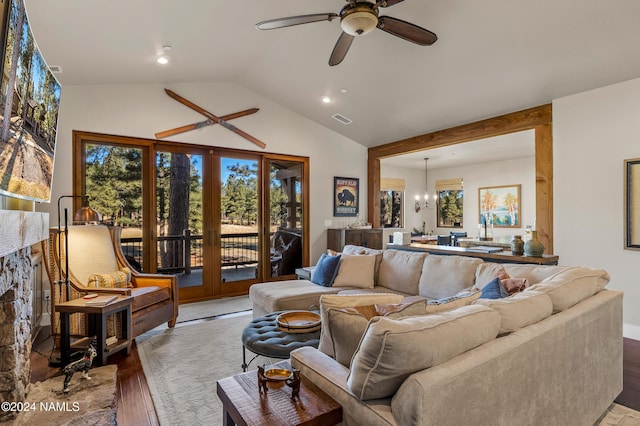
393	349
147	296
91	251
117	279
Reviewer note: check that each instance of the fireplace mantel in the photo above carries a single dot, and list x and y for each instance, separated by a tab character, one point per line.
19	229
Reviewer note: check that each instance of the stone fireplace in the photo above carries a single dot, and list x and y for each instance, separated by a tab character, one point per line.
18	231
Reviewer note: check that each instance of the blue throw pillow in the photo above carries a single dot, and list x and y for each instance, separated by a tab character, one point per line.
326	270
494	290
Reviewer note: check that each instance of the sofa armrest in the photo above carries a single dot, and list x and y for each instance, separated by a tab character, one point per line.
331	376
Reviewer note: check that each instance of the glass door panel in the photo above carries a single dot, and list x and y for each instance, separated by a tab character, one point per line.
239	250
179	221
114	183
285	217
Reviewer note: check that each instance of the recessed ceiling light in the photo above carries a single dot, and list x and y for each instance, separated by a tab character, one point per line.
343	90
325	99
163	59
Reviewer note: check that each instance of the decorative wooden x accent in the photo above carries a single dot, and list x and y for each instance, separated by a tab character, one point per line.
211	119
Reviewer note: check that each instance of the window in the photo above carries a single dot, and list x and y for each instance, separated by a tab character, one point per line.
450	203
392	203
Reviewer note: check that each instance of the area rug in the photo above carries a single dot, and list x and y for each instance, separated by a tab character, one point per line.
88	402
183	364
211	308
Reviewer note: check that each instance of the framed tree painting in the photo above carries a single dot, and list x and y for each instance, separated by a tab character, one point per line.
346	193
500	205
632	204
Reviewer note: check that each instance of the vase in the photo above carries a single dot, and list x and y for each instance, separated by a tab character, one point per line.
533	247
517	245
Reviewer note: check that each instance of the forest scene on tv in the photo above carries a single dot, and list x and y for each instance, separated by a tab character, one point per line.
29	104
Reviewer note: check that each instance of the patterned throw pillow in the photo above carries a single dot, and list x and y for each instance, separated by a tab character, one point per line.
117	279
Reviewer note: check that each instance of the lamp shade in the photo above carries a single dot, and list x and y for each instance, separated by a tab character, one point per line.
86	215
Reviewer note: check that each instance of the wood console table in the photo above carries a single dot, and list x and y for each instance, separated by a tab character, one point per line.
498	257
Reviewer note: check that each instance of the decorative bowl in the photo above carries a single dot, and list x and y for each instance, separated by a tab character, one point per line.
298	321
277	374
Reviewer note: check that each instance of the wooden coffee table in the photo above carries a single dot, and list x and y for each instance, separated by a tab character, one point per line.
244	404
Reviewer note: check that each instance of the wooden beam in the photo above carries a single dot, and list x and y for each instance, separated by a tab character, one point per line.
537	118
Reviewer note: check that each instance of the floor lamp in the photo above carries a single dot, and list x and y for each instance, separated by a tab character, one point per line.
83	215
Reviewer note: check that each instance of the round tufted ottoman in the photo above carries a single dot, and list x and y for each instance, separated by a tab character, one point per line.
263	337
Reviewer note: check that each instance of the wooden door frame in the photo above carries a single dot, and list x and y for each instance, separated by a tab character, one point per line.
537	118
149	148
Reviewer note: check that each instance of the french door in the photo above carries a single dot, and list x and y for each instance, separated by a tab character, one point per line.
219	219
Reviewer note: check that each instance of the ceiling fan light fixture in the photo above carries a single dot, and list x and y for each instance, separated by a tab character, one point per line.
358	23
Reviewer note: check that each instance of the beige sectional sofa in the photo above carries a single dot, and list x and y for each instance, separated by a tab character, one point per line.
551	354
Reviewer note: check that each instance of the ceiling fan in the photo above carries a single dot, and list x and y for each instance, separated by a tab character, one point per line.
358	18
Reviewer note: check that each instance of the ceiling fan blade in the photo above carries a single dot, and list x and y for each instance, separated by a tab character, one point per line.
387	3
341	48
295	20
407	31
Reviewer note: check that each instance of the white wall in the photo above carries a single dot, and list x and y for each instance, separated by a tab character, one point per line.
593	133
507	172
143	110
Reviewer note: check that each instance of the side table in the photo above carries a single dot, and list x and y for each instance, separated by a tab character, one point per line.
244	404
96	325
305	273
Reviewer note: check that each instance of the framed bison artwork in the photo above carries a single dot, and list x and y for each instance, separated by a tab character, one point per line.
346	193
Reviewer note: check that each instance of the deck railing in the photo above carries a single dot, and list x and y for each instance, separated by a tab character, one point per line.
181	253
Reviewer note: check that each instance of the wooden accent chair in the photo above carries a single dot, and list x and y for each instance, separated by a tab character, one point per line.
97	250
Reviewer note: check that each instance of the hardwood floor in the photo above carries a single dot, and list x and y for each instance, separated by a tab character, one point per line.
135	407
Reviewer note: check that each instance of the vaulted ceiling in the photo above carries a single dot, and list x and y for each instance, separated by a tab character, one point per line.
491	57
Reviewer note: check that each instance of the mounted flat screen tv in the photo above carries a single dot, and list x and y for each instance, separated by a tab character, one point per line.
29	105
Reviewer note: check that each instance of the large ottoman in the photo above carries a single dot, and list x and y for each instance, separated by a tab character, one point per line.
263	337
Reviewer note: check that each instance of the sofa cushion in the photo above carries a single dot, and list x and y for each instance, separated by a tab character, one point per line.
572	285
400	270
347	325
348	301
444	276
519	310
356	271
116	279
326	270
147	296
494	290
393	349
487	271
286	295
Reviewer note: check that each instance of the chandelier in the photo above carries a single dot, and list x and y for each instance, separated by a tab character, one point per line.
425	203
